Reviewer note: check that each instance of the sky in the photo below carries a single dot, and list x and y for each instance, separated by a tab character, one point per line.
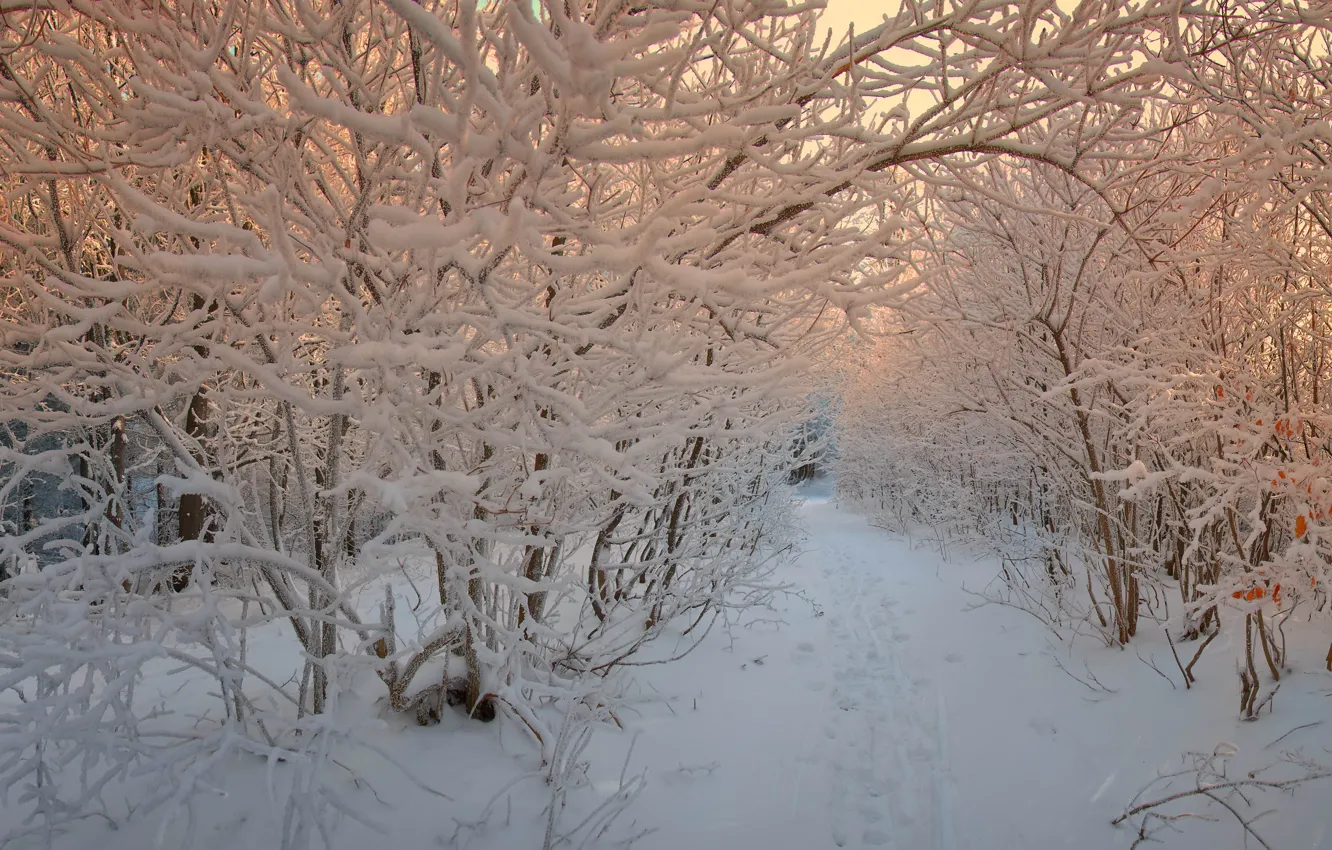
863	13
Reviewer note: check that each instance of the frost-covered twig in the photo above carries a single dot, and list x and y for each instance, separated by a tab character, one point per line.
1207	779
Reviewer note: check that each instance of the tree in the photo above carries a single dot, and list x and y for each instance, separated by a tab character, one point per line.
1141	344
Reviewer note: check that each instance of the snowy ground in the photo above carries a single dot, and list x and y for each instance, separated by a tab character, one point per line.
870	709
886	713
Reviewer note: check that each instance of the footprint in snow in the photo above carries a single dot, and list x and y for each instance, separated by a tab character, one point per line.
805	647
901	637
876	837
864	776
953	658
1043	727
920	755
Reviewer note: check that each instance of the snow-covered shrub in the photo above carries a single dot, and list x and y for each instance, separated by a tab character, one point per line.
1127	365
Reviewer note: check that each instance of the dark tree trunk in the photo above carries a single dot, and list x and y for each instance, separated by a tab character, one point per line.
193	508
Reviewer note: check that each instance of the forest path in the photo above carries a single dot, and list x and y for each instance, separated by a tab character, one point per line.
886	749
818	725
884	745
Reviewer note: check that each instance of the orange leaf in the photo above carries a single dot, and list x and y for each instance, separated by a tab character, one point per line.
1301	525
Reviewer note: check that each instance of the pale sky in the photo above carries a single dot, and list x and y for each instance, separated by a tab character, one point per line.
863	13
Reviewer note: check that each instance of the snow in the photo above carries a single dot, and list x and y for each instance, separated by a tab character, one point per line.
538	293
875	705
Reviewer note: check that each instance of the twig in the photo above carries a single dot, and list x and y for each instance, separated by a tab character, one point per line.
1188	671
1150	664
1210	782
1292	732
1257	709
1183	672
1094	685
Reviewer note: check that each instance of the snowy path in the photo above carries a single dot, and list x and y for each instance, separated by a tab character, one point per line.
885	753
844	742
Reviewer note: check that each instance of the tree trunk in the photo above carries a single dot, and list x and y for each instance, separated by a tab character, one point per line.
193	508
